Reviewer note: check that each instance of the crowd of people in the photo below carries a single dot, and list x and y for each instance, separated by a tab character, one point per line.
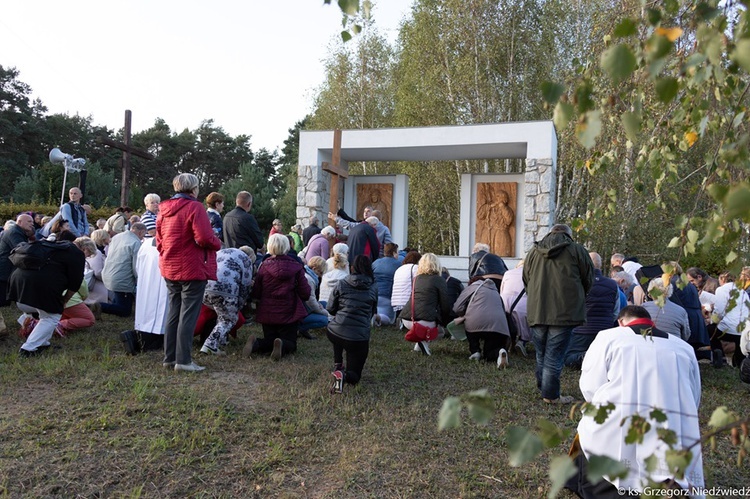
189	272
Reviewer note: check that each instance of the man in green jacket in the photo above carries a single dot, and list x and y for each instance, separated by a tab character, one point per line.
558	274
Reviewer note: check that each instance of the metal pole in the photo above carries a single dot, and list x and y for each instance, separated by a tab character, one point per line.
65	179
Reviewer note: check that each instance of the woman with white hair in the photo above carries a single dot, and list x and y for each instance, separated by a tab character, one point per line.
338	249
280	290
320	244
429	303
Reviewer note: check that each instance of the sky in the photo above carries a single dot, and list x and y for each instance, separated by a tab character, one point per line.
250	65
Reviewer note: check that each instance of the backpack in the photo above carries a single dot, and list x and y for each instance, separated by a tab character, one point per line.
32	256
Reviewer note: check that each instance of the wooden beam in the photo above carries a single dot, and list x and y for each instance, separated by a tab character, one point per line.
336	174
141	153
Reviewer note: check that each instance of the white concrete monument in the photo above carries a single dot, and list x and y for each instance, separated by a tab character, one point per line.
534	208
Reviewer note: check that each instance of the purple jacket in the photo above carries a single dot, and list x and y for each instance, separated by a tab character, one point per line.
318	246
280	289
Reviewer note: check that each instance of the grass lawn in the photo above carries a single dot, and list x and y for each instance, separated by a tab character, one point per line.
90	421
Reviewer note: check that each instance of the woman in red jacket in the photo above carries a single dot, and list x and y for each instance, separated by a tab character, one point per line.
280	289
187	249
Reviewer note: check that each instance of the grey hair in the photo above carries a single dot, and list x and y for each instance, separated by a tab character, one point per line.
562	228
151	198
328	231
373	221
658	283
278	244
185	183
481	247
596	258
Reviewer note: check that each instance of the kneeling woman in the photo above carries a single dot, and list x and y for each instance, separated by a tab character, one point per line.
353	302
280	290
481	307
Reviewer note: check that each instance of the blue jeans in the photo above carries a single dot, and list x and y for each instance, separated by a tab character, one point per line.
550	343
577	348
122	304
313	321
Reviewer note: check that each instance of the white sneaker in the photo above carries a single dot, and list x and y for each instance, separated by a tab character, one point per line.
192	367
425	348
214	351
475	356
502	359
416	347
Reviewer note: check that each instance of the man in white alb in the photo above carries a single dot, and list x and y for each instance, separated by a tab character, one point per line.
638	368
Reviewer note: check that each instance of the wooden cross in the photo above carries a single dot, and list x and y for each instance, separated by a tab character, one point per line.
127	149
337	172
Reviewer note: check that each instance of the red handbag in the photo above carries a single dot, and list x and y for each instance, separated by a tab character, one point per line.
419	332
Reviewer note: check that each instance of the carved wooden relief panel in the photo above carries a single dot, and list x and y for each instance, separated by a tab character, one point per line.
496	216
379	196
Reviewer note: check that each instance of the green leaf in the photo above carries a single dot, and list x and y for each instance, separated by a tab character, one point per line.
450	413
677	461
600	466
562	115
732	256
667	436
346	36
480	413
632	123
349	7
692	236
619	62
588	130
654	16
550	433
651	463
666	89
737	121
658	415
626	27
561	469
721	417
551	91
523	445
737	204
674	243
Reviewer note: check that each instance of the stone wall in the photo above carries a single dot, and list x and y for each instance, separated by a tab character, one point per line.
540	199
313	193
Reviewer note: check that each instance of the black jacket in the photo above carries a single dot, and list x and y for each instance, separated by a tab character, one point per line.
353	302
9	239
308	233
360	237
44	289
483	263
431	301
241	229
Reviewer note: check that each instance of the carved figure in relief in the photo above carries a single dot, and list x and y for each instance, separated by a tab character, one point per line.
495	218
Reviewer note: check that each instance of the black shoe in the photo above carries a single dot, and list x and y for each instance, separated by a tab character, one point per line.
306	335
130	341
718	358
29	353
745	370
